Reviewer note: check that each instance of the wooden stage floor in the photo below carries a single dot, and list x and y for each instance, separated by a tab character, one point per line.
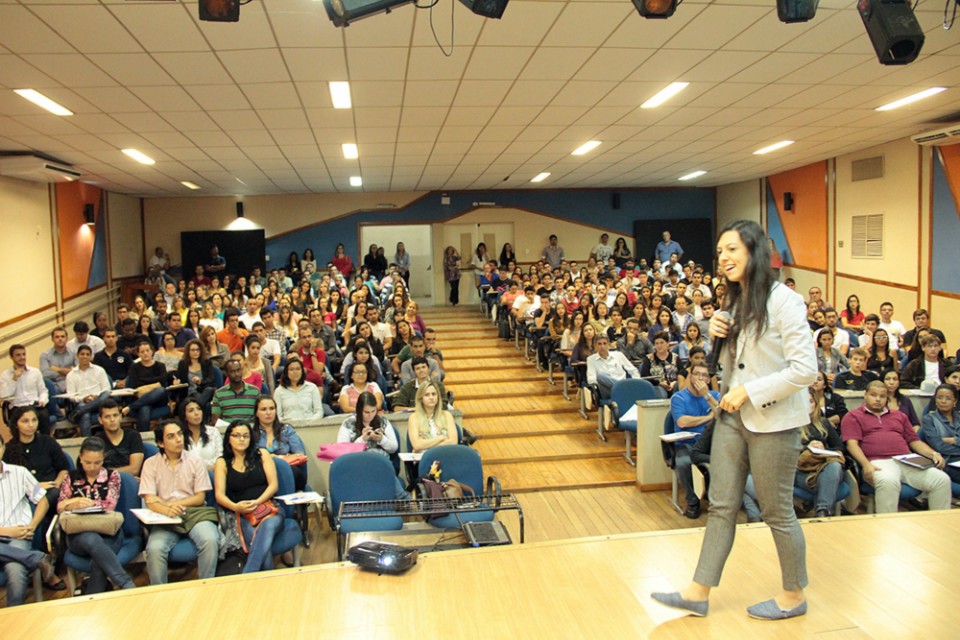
891	576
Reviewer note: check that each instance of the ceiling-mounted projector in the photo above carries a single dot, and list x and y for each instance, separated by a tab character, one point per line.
343	12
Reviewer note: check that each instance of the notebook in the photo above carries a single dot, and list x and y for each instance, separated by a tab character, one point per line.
485	534
914	460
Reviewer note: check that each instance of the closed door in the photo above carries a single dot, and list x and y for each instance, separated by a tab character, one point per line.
465	237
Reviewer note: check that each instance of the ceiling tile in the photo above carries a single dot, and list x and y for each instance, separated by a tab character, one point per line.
23	32
72	22
316	64
255	65
161	26
587	24
525	23
197	68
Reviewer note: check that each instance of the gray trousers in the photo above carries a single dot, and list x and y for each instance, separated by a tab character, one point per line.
772	459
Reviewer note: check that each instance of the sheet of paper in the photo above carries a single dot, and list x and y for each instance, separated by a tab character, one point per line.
123	392
302	497
631	414
410	457
823	452
677	436
152	517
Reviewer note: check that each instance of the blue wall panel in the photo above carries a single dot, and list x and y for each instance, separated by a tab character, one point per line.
775	228
946	232
593	207
98	259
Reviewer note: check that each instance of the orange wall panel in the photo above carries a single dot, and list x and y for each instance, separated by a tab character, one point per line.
75	237
951	167
806	226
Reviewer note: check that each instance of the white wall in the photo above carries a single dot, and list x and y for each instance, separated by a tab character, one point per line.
126	236
740	201
27	247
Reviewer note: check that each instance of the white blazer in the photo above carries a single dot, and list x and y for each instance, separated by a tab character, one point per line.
775	368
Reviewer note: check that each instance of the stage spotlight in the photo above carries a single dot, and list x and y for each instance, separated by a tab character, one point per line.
796	10
343	12
655	8
219	10
893	29
486	8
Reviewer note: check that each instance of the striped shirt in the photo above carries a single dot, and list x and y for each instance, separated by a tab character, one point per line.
17	486
231	405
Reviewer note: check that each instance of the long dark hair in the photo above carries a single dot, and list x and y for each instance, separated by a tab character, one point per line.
251	457
277	426
365	399
749	307
182	414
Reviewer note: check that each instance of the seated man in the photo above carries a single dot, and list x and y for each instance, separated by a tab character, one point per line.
857	377
236	399
606	367
231	334
82	335
405	399
173	481
874	434
634	345
114	360
930	367
417	348
89	386
17	524
123	448
841	339
24	385
55	363
313	357
693	408
921	320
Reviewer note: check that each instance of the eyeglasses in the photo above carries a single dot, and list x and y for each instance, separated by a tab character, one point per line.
240	436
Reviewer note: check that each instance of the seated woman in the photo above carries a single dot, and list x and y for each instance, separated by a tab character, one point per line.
662	364
402	335
832	406
217	352
941	428
196	370
896	401
852	317
168	354
881	358
208	317
42	456
697	356
830	361
279	438
364	333
412	316
356	314
820	474
571	335
150	379
244	479
692	339
665	324
430	425
365	425
359	376
202	439
298	398
257	363
396	310
93	485
361	353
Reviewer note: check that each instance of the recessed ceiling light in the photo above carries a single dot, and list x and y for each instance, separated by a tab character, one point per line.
664	94
350	151
356	181
773	147
340	95
41	100
691	176
189	185
926	93
586	147
540	177
240	181
142	158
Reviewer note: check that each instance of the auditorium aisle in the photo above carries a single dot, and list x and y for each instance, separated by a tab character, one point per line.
569	482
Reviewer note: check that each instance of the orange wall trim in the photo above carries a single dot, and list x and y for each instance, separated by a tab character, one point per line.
26	315
884	283
945	294
806	226
76	238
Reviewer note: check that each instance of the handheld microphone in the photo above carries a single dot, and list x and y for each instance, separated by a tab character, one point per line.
718	343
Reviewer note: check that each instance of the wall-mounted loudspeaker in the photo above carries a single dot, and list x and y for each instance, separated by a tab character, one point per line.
89	214
787	201
239	209
615	201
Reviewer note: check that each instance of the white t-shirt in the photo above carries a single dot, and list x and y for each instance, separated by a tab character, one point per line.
841	339
895	330
931	372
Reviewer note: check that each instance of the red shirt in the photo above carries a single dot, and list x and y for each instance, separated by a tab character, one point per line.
306	357
880	437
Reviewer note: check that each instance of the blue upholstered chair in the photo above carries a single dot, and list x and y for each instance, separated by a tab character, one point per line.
132	540
361	477
461	463
185	552
623	397
290	536
150	450
807	497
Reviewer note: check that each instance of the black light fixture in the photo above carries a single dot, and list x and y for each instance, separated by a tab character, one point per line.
893	29
219	10
787	201
656	9
89	215
343	12
239	209
486	8
796	10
